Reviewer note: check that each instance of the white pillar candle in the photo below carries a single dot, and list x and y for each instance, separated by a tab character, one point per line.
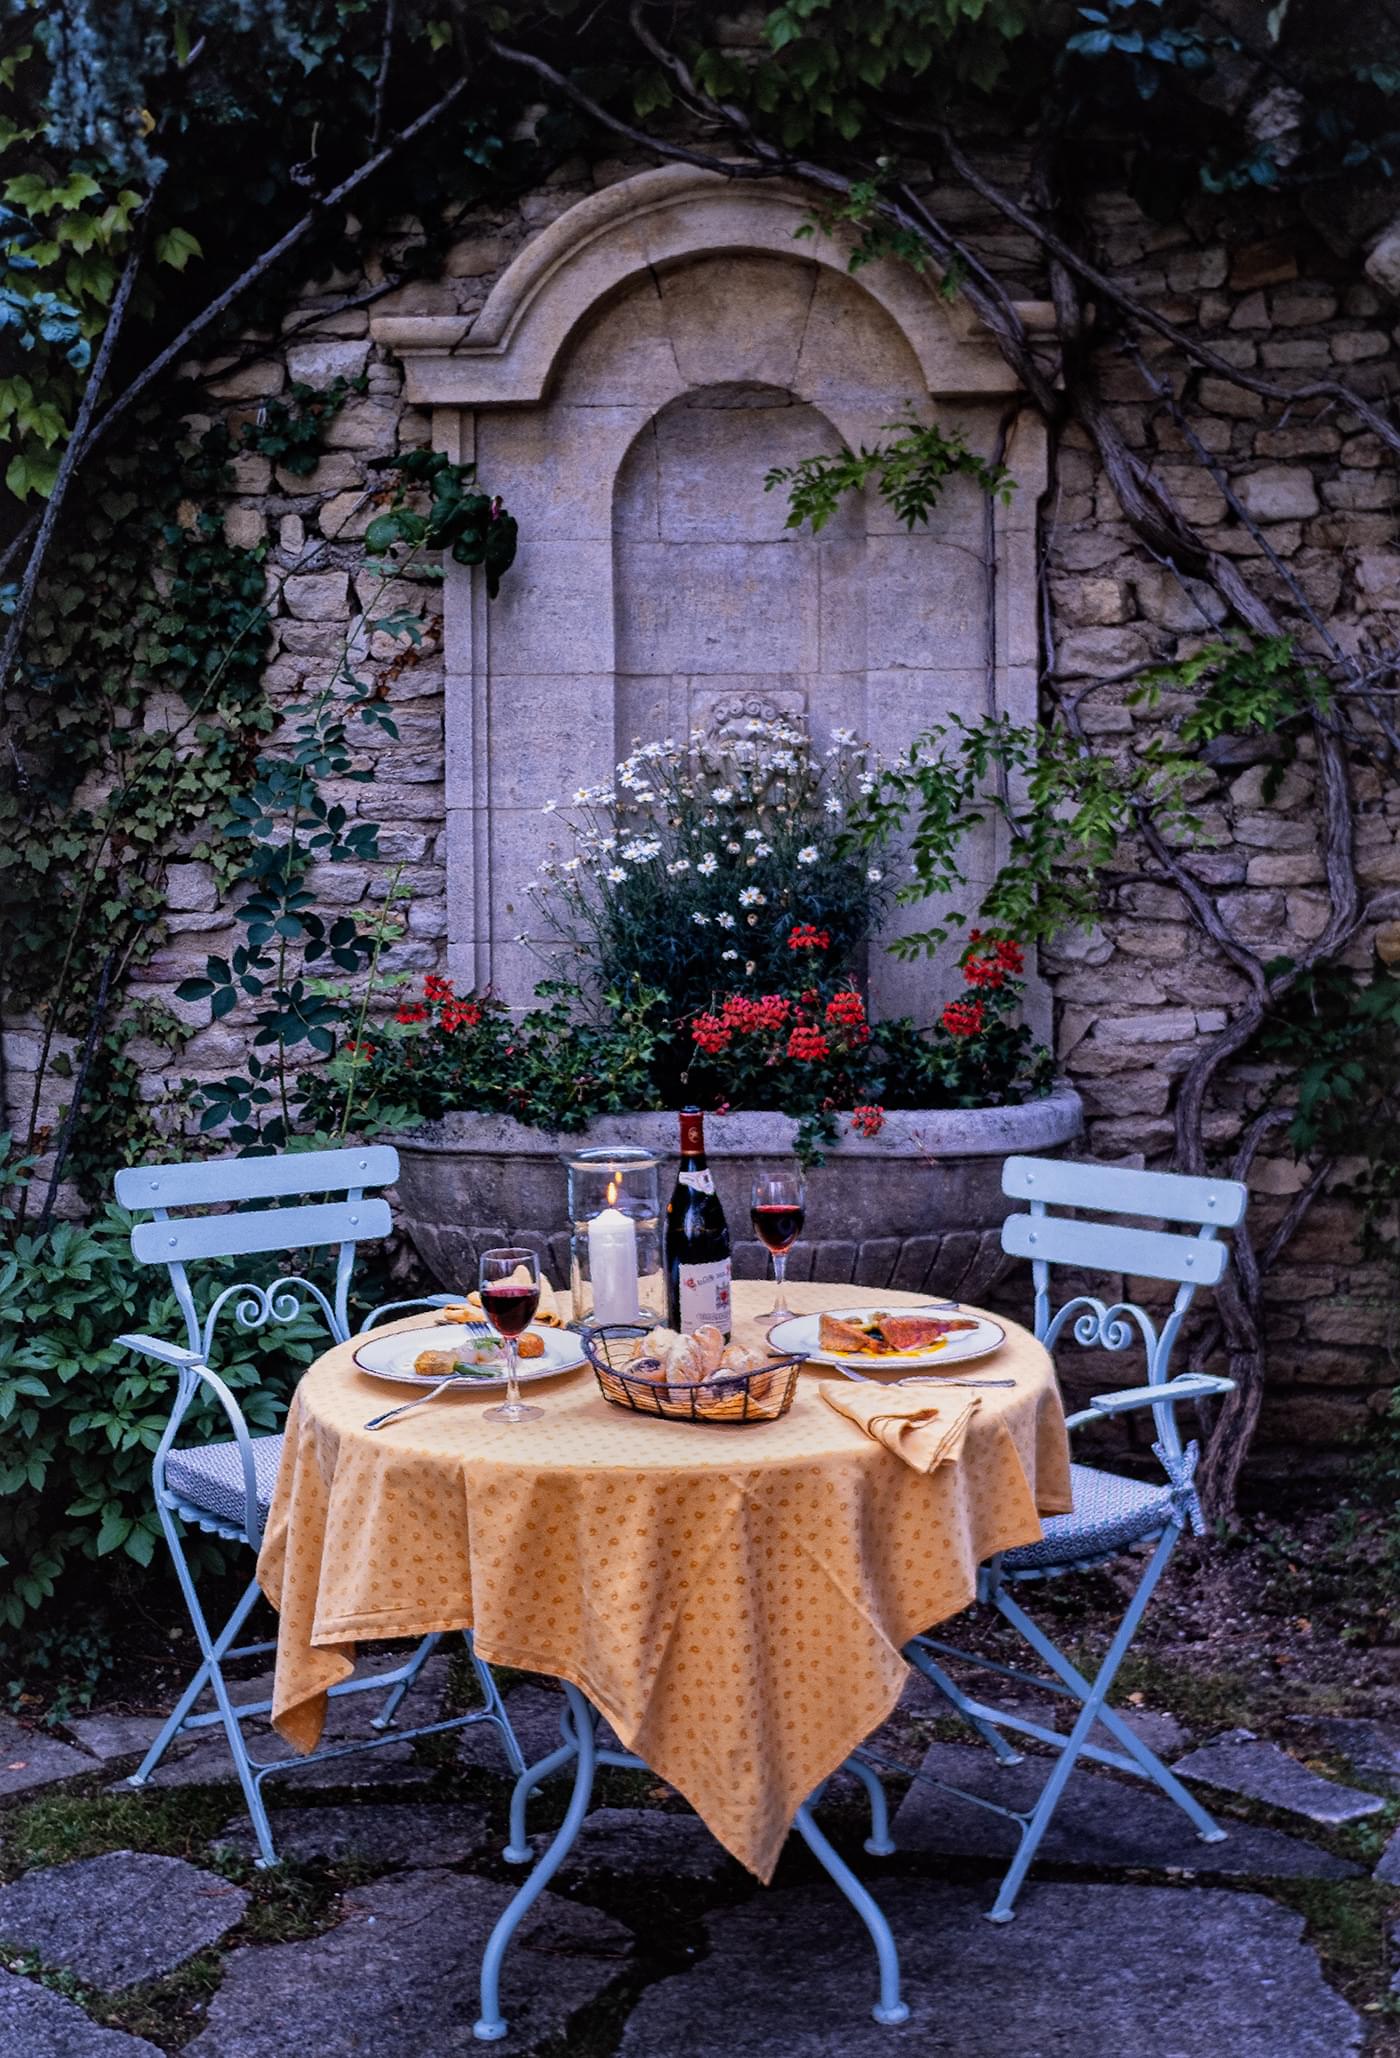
612	1266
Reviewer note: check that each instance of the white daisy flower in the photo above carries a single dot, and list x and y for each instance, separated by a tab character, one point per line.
753	835
734	848
843	736
582	796
700	920
753	897
615	874
725	921
808	855
571	864
874	874
549	807
678	865
832	804
709	863
722	795
729	954
762	850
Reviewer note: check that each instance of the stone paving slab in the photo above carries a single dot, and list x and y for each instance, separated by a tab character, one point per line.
1103	1824
37	2023
1389	1867
534	1711
29	1758
645	1843
1239	1763
107	1737
399	1976
1131	1972
396	1833
120	1918
1372	1747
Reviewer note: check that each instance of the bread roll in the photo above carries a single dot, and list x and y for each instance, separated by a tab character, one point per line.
709	1341
436	1364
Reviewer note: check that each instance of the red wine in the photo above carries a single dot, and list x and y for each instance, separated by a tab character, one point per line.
510	1308
699	1276
778	1224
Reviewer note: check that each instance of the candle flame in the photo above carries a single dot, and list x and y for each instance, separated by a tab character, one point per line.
612	1192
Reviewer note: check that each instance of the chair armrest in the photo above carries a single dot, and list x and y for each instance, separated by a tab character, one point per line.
156	1347
425	1300
1187	1386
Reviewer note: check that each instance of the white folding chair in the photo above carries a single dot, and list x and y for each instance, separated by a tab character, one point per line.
1112	1513
226	1488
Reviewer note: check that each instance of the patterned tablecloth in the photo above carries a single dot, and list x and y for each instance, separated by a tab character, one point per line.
734	1599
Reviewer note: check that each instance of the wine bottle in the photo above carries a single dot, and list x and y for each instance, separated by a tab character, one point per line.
699	1274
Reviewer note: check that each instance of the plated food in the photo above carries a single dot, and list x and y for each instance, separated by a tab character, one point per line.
869	1342
421	1357
889	1335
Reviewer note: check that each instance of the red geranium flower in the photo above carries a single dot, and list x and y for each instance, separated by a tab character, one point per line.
963	1017
807	1044
435	988
868	1120
710	1033
992	967
410	1011
805	937
460	1014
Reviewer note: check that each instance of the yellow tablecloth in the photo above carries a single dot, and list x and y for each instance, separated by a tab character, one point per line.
733	1599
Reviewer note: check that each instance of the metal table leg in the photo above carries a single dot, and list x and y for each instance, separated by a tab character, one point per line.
492	2024
889	2008
580	1744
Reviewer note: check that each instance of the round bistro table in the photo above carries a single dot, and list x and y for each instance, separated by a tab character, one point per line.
733	1598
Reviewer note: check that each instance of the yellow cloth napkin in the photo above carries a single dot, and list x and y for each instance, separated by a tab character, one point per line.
920	1425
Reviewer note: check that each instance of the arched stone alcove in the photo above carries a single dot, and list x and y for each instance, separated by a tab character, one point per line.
633	376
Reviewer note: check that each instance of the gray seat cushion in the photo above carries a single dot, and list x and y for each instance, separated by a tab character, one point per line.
1109	1513
211	1477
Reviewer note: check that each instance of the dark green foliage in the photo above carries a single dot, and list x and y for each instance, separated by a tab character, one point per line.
909	474
472	525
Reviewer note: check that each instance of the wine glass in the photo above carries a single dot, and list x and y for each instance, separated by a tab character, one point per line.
510	1294
777	1209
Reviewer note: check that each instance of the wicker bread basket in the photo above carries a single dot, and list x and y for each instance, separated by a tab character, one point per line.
759	1396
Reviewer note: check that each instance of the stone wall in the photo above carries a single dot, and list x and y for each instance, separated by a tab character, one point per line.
1132	1001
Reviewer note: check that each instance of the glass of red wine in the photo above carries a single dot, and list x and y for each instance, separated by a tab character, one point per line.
510	1294
778	1209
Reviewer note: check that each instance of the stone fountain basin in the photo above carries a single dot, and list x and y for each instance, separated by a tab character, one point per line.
919	1206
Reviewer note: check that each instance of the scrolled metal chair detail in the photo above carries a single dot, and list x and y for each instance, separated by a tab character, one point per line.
1111	1513
226	1488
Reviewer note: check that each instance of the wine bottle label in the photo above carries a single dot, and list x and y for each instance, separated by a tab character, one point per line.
701	1181
705	1293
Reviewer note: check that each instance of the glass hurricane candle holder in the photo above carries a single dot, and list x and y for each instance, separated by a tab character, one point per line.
615	1272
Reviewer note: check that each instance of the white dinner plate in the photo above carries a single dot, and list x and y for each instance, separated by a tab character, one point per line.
801	1333
391	1357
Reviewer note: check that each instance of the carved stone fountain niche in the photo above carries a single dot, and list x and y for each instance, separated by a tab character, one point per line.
633	376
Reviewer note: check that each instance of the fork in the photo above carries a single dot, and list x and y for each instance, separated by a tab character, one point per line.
472	1329
407	1407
